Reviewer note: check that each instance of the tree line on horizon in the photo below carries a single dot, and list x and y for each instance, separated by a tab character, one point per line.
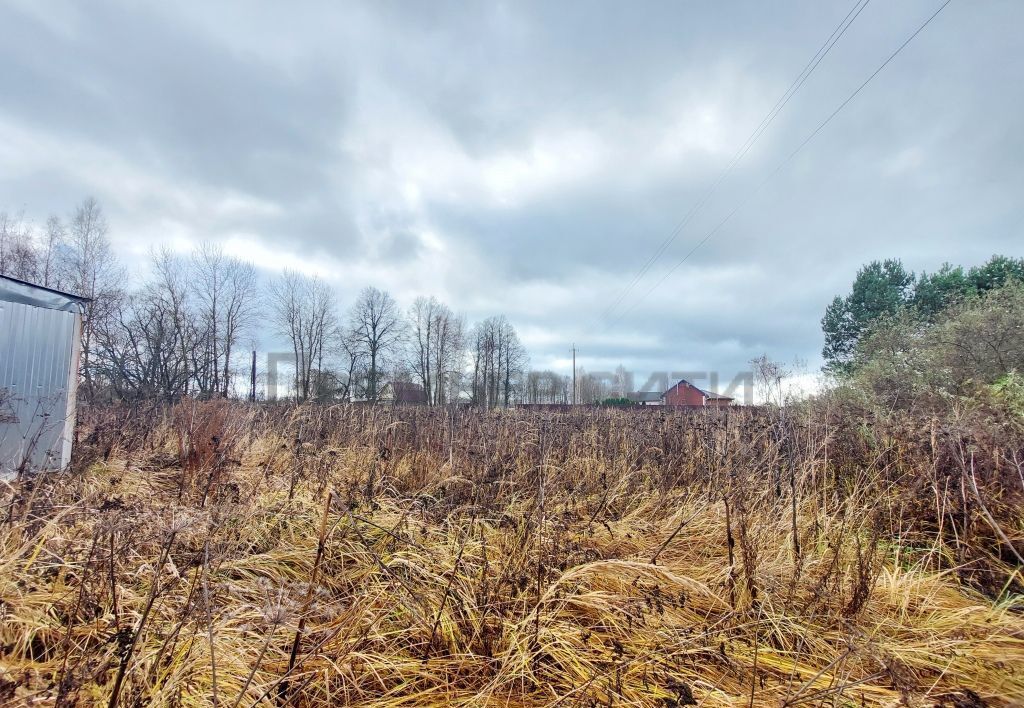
187	325
182	330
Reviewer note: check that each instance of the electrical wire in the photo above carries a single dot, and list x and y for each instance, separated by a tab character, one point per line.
766	121
782	164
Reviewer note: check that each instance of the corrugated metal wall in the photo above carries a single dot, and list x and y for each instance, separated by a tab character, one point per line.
36	353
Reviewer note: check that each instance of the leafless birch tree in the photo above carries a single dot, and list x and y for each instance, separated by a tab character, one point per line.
90	269
376	326
225	292
437	343
303	309
498	360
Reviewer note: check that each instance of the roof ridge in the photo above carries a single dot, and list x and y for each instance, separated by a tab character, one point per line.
709	394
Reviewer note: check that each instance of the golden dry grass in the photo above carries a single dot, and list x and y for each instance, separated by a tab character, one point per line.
497	560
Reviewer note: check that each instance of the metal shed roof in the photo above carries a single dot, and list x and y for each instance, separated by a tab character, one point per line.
25	293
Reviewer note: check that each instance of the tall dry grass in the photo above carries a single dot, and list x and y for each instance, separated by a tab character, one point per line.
221	554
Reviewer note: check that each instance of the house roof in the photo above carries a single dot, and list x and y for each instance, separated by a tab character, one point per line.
25	293
708	394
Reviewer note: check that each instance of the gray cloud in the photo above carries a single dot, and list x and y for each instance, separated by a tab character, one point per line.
527	158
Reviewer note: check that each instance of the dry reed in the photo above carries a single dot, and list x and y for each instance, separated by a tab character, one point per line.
317	556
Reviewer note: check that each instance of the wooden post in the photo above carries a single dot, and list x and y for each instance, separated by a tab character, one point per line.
252	379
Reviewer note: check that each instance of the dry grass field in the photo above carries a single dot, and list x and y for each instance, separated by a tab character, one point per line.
222	554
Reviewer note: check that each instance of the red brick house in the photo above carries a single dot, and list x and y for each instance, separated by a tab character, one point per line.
685	393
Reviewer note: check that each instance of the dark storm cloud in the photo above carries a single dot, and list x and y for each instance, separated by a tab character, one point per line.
528	158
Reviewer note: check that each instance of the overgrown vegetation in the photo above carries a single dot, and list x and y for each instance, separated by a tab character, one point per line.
215	553
971	350
884	291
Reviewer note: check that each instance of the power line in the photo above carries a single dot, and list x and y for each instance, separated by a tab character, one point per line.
769	117
782	164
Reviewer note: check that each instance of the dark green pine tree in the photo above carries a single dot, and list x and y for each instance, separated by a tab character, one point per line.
935	292
995	273
880	289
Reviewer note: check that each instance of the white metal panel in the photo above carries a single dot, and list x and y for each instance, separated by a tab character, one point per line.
38	376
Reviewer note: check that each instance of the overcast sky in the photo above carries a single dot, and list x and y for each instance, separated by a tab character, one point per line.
528	158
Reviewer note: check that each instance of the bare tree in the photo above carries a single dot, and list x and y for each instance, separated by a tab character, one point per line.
9	230
241	310
622	382
303	309
354	364
499	362
49	252
173	336
590	387
483	354
90	269
437	342
422	316
206	283
376	326
18	254
546	387
148	345
170	293
225	292
449	352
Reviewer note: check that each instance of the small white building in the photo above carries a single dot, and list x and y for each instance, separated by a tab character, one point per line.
40	344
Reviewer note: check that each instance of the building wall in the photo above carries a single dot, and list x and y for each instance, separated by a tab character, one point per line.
684	395
38	377
687	395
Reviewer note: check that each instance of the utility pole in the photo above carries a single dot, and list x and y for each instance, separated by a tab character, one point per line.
574	374
252	379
